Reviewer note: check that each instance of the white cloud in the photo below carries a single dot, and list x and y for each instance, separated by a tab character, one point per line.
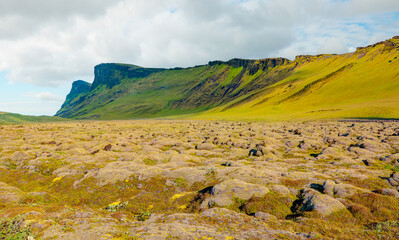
333	46
44	96
52	42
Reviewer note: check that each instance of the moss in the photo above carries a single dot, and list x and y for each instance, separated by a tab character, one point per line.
180	182
382	207
10	165
294	183
386	230
38	199
361	213
272	203
48	166
368	183
149	162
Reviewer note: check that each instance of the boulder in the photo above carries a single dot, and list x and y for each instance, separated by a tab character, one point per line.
265	216
328	187
393	182
388	192
321	203
340	190
223	194
345	190
395	176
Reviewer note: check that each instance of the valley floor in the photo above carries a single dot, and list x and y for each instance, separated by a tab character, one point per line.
181	179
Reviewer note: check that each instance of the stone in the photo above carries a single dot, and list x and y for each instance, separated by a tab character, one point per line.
108	147
265	216
321	203
283	190
223	194
345	190
393	182
387	192
340	190
395	176
328	187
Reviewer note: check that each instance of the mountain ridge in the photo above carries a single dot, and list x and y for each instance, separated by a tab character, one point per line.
221	89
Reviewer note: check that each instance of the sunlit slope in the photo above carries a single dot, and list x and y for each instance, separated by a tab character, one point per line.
364	84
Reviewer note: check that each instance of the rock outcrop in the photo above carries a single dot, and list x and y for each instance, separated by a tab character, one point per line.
111	74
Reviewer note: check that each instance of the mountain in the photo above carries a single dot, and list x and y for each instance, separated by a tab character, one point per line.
361	84
14	118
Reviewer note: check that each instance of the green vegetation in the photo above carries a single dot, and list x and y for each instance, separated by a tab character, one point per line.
12	229
13	118
310	87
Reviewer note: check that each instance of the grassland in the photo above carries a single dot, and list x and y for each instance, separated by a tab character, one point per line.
13	118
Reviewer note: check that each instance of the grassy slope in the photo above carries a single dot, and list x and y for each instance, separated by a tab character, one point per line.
142	98
13	118
363	84
171	92
330	86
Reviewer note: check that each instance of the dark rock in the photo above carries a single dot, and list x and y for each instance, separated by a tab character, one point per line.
108	147
227	164
252	152
94	152
366	162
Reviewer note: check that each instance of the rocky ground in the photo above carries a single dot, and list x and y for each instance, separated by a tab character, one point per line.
154	179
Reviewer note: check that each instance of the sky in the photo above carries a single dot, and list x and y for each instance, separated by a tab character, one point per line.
45	45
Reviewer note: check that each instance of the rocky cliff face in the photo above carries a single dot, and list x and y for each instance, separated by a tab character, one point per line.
79	87
253	66
111	74
210	92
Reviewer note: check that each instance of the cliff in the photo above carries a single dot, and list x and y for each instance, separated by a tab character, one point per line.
111	74
310	87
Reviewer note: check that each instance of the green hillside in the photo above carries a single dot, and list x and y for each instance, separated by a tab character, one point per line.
362	84
14	118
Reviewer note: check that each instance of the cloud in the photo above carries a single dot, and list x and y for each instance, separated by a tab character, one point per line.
50	43
44	96
333	46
